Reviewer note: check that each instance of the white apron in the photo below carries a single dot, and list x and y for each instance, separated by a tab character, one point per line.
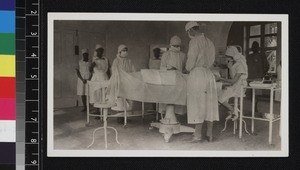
99	75
85	73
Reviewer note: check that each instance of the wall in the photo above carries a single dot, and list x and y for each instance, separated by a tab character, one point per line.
236	34
216	31
137	35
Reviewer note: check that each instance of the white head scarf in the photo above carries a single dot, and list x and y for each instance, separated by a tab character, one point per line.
233	52
85	50
121	47
95	53
190	25
98	46
175	40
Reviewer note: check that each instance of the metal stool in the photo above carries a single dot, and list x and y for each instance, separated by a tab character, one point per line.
105	108
236	110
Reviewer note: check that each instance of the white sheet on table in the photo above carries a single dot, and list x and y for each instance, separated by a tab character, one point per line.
159	77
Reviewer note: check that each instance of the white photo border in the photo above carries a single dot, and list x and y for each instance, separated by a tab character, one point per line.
283	18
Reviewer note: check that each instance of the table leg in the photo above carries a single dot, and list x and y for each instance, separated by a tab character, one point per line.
105	126
241	112
143	110
270	130
157	110
280	127
235	111
170	119
170	116
87	106
125	112
234	127
253	110
271	116
169	125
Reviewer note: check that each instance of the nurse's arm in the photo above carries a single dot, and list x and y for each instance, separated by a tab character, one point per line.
91	75
232	81
192	55
183	64
78	74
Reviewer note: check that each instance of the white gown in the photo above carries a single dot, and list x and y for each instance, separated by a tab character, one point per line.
99	75
126	65
154	63
235	89
202	100
173	59
85	73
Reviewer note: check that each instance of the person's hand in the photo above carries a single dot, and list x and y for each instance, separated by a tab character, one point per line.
172	68
221	80
185	71
217	77
84	81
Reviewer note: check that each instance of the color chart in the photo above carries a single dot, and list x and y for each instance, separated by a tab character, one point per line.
7	83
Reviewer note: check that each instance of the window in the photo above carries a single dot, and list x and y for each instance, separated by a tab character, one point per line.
255	30
267	34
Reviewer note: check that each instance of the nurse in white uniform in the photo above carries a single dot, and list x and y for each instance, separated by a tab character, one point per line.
121	62
202	100
100	72
83	74
238	70
173	59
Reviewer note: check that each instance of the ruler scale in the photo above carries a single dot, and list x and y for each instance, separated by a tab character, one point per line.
32	133
20	84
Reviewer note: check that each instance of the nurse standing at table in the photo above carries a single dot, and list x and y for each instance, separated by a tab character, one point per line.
121	62
202	100
173	59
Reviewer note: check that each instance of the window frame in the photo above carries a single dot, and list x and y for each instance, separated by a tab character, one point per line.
262	37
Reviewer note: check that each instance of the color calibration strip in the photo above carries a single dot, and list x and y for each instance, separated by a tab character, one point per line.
7	83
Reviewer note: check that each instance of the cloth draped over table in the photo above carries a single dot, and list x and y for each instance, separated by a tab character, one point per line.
131	86
159	77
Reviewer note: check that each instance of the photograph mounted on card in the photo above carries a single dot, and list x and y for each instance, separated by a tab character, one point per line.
177	85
